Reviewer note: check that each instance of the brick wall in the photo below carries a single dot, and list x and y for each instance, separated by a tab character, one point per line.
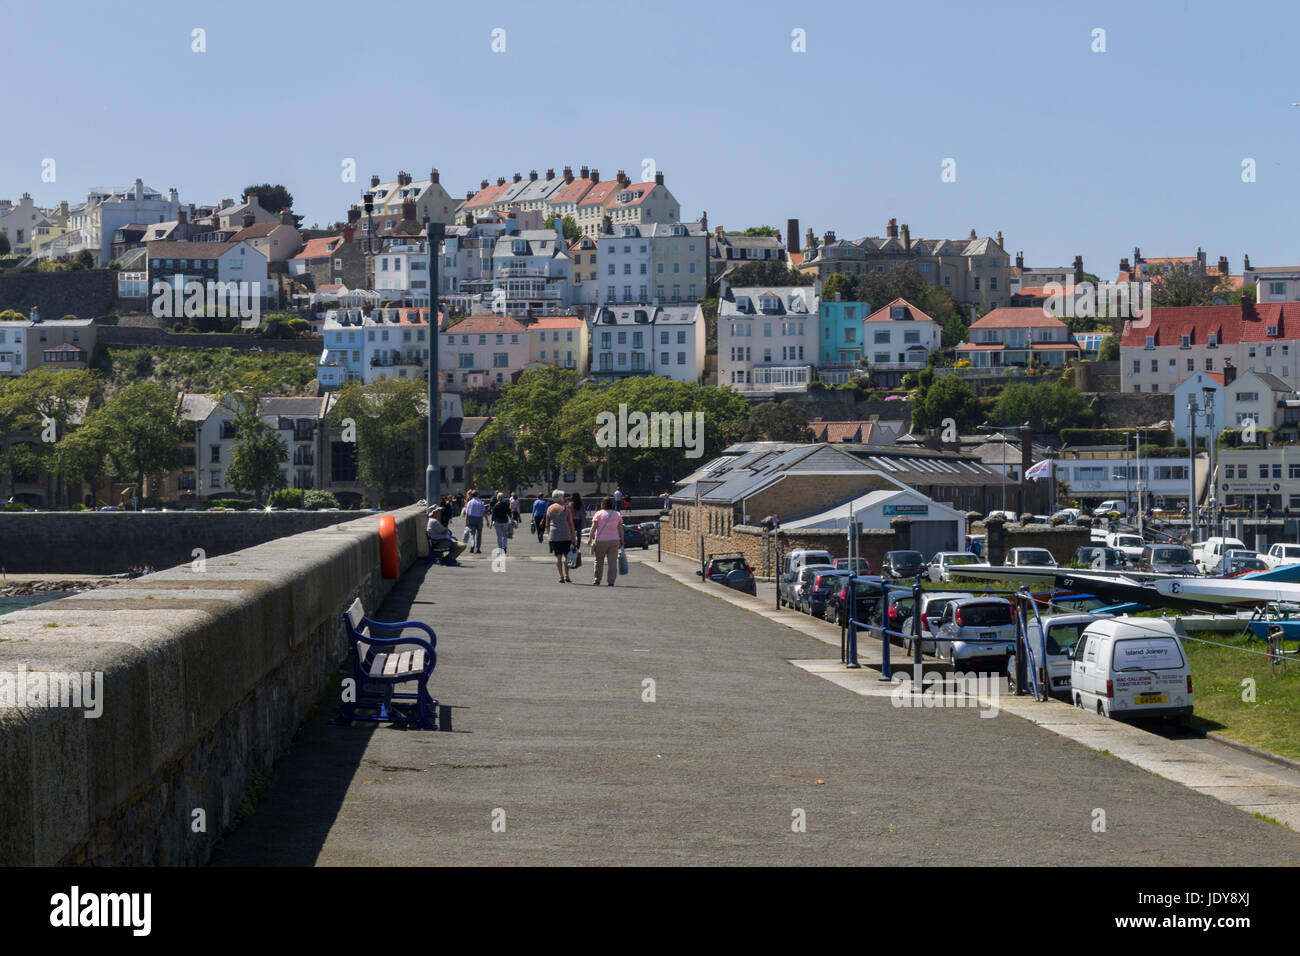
121	336
1062	540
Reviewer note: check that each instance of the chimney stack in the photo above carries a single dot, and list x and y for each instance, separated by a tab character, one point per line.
659	179
374	181
550	174
532	176
810	241
348	233
621	178
484	184
907	238
354	214
972	235
595	175
1020	261
829	237
433	175
568	174
408	210
1247	310
1229	372
891	229
286	217
519	177
501	180
792	235
1137	257
1246	262
1078	270
249	218
583	173
1223	265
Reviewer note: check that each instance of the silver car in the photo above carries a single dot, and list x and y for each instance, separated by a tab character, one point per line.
976	631
932	605
939	566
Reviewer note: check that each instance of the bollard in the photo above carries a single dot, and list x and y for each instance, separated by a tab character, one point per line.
852	595
885	673
916	625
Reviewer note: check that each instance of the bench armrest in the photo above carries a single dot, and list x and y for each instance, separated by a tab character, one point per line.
398	626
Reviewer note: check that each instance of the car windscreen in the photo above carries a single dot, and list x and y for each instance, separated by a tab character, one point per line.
934	607
1035	557
1147	654
985	615
962	559
727	565
1128	541
1171	555
1061	638
905	557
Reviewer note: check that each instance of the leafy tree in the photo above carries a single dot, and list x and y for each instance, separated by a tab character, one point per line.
572	230
1109	351
838	283
144	431
767	272
949	397
709	309
756	231
85	259
528	421
46	401
271	198
83	455
259	451
5	248
778	421
315	499
1049	408
391	422
1177	286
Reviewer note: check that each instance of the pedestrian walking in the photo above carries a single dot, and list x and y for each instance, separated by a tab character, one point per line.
579	513
667	502
501	520
606	537
444	514
514	507
558	524
474	510
540	505
618	499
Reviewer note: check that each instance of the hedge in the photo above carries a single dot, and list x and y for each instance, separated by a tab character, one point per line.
1114	436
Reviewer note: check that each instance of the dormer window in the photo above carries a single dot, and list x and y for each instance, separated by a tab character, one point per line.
629	232
519	247
897	312
1272	331
796	303
1185	342
1213	342
1151	341
768	303
679	230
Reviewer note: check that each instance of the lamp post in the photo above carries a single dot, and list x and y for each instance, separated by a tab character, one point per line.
369	199
432	474
1209	444
1192	411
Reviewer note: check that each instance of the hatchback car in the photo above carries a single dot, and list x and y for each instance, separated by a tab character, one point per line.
1101	558
976	631
932	605
902	564
1167	559
1234	564
894	612
1030	558
940	565
856	565
651	531
731	571
867	592
633	537
824	582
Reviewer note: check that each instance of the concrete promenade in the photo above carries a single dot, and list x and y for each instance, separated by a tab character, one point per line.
549	733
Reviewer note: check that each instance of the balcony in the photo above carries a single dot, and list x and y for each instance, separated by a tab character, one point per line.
522	272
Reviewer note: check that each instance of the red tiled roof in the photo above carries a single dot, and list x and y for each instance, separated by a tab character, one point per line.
642	191
796	259
835	432
599	193
1052	346
1168	325
882	314
557	322
1042	292
1012	318
319	248
485	197
573	192
487	322
1217	376
971	347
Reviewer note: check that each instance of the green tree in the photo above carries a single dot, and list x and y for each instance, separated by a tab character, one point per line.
778	421
766	272
271	198
83	455
144	431
1178	286
528	421
390	425
1109	350
757	231
838	283
48	402
949	397
572	230
259	451
1049	408
5	248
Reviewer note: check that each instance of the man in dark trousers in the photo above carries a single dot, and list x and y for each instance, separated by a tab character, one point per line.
540	505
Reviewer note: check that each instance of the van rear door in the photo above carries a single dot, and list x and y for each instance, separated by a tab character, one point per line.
1147	672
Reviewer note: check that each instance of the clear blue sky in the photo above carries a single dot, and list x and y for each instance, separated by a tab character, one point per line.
1064	150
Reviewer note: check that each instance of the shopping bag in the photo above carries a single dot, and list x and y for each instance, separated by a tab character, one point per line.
622	561
575	558
468	534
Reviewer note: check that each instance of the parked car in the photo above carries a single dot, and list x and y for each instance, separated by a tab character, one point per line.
894	610
1167	559
1130	544
798	595
1101	558
1132	669
792	563
651	531
1069	514
939	566
932	605
1010	517
1209	552
730	570
867	591
634	537
857	565
902	564
1239	562
823	583
1106	507
1282	554
1053	646
1030	558
976	631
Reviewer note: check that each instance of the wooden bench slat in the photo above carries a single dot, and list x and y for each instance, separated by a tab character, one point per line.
417	660
378	664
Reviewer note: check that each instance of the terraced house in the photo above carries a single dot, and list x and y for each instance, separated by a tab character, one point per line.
1019	337
768	337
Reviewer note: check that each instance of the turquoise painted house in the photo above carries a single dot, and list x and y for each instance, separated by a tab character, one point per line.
840	338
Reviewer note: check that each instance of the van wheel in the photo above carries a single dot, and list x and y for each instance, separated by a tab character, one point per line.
1101	710
1078	701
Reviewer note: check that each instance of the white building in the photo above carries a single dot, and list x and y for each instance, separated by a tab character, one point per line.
530	272
901	335
767	337
91	224
648	339
387	343
656	262
1199	386
402	271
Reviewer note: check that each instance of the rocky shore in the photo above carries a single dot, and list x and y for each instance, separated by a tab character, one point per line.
42	587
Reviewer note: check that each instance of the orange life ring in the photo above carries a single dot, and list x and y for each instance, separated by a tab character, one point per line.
388	556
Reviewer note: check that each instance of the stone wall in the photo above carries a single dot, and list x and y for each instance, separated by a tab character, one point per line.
99	542
86	294
1126	409
1062	540
206	678
124	336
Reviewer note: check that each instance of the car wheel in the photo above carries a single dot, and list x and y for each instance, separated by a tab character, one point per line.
907	646
1012	687
1101	710
1078	701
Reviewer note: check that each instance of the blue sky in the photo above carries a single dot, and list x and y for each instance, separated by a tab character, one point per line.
1064	150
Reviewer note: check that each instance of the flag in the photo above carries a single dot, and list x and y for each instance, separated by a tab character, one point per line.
1041	470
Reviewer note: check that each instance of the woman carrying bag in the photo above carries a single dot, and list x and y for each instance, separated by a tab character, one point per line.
606	538
558	524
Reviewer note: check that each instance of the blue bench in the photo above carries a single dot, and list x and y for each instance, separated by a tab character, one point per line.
380	665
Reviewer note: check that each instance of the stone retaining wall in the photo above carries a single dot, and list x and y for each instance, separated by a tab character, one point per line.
206	678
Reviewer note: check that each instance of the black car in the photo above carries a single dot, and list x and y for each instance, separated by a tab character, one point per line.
867	592
895	613
634	537
823	584
902	564
732	571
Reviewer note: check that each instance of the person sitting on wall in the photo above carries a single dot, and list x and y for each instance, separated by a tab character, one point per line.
437	533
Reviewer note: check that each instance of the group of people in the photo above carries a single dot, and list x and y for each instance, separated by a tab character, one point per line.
139	570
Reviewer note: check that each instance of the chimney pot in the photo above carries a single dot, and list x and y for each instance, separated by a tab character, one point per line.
595	175
891	229
583	173
659	179
484	184
550	174
519	177
501	180
792	235
433	175
374	181
568	174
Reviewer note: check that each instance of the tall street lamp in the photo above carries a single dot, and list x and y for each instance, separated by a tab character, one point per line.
369	199
432	474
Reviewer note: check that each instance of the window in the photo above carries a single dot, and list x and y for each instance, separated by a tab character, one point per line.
1213	341
500	359
1151	342
1184	341
663	358
882	338
1191	365
216	454
1137	367
1263	471
1277	471
216	479
1155	365
1209	365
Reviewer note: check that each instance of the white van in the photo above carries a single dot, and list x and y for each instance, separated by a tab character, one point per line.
1053	650
1106	507
1209	552
1280	555
1130	669
792	565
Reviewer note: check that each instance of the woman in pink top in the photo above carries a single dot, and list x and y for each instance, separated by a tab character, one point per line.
606	537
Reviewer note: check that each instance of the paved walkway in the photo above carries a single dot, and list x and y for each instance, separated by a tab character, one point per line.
548	731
